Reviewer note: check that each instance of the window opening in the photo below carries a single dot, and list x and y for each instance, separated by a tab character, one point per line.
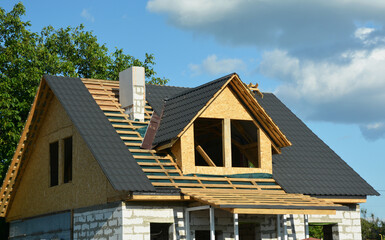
208	142
249	231
67	160
322	230
54	163
159	231
244	144
205	235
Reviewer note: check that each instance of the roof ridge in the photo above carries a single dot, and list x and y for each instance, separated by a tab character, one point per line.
158	85
201	86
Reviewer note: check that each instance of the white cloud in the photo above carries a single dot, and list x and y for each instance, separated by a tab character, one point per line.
87	15
363	33
329	57
348	92
214	66
191	13
304	27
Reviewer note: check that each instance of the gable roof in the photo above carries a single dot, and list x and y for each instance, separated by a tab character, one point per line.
94	108
181	110
309	166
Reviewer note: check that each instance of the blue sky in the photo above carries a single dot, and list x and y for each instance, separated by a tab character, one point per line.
324	60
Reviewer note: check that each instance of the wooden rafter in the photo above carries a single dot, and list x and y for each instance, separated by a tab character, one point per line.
24	148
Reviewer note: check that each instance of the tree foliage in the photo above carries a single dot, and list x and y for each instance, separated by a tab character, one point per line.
25	56
316	231
372	227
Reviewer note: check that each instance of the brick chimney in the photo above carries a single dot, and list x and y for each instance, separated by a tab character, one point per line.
132	93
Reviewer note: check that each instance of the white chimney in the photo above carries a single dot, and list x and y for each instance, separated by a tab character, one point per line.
132	93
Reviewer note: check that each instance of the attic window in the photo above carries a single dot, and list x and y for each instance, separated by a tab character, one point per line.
54	163
67	160
208	142
244	144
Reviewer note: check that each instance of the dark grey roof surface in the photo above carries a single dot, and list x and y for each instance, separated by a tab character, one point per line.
181	108
115	160
155	94
309	166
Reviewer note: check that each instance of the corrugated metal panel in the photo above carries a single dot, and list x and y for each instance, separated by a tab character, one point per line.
309	166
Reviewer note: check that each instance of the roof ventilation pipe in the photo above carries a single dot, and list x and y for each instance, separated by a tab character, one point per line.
132	93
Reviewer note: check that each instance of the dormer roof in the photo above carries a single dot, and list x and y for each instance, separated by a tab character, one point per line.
180	110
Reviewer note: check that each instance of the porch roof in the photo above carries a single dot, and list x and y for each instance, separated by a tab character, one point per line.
262	201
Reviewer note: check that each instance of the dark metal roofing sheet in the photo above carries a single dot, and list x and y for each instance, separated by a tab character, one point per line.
309	166
115	160
155	95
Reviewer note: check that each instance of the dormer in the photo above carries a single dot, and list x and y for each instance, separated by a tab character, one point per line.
222	130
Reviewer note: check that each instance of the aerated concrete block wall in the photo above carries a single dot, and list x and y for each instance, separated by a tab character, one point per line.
136	220
346	225
102	222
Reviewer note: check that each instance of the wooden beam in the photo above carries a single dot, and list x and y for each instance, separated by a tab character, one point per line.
159	198
342	200
226	142
205	156
280	211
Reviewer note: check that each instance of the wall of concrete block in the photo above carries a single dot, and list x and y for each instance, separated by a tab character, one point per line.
132	221
346	225
102	222
136	220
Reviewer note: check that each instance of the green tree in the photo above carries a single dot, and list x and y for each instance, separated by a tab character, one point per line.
371	227
316	231
25	56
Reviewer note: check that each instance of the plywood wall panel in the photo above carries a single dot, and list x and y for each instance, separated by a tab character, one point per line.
226	105
89	185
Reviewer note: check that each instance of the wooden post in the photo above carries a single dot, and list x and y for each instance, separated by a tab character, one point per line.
279	227
212	224
306	221
236	225
187	222
226	142
284	228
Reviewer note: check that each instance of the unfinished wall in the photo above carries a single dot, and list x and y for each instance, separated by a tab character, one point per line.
98	222
226	105
138	217
89	185
346	225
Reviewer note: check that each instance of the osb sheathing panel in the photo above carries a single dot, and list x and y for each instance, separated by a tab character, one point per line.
89	185
265	153
226	105
176	151
188	150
